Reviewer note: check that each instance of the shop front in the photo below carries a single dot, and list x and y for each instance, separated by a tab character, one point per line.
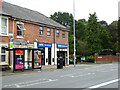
46	54
63	52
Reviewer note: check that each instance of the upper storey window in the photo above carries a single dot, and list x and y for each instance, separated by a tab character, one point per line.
4	26
48	32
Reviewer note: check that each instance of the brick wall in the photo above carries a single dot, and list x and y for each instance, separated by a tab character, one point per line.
0	3
32	32
99	59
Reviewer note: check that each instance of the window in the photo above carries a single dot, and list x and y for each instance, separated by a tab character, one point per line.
4	26
3	55
63	34
41	30
57	33
20	28
48	31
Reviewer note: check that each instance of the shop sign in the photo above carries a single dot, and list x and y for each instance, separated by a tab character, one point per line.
19	59
62	46
44	44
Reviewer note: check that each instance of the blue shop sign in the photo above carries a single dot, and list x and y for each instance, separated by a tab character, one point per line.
44	44
62	46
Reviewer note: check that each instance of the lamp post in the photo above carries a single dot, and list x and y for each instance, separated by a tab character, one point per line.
74	31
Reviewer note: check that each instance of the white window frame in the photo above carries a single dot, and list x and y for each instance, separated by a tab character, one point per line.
48	31
2	34
57	33
21	30
6	52
41	30
63	35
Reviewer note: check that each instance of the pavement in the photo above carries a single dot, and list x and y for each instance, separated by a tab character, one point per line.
46	68
81	76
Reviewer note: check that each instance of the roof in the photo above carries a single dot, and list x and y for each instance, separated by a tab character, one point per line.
28	15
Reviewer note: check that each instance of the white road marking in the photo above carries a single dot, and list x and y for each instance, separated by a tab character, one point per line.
50	80
105	83
83	75
69	74
30	83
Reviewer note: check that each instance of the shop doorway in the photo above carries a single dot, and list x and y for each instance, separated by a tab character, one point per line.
49	56
63	54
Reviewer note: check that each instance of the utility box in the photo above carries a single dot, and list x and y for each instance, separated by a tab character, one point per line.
59	63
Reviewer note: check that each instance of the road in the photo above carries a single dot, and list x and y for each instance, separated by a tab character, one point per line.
82	76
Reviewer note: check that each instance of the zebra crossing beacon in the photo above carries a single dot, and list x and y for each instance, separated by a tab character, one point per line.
19	62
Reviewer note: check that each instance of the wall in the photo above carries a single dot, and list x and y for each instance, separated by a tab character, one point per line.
0	3
100	59
32	32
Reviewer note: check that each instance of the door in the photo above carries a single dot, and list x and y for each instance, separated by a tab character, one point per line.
49	56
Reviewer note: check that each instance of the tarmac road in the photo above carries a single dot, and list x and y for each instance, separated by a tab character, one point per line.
82	76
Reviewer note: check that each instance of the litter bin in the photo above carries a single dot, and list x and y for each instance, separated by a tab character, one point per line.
59	63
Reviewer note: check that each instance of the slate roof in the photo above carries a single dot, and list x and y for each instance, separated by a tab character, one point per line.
28	15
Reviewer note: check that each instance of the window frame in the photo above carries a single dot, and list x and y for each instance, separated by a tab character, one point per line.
48	31
2	54
57	33
1	33
41	30
20	31
63	34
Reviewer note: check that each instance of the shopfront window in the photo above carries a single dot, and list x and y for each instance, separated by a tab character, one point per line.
37	59
3	54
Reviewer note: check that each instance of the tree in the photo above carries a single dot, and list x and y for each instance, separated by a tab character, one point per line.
93	39
64	18
71	44
116	47
81	48
80	37
105	37
113	28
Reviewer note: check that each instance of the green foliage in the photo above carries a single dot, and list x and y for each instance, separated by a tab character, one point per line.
113	28
90	59
81	48
105	37
64	18
116	47
93	40
91	36
71	44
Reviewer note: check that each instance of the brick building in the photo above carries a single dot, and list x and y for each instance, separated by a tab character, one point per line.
25	28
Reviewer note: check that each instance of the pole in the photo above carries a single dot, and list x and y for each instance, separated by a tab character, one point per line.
74	30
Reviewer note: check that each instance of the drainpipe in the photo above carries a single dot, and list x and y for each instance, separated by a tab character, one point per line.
11	42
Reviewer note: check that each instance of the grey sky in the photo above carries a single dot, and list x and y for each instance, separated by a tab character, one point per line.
106	9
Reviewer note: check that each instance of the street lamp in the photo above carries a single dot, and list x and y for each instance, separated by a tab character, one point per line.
74	30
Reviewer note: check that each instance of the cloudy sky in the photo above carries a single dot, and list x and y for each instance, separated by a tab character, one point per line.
106	9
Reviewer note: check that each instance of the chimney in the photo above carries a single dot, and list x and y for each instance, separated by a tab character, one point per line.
0	3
